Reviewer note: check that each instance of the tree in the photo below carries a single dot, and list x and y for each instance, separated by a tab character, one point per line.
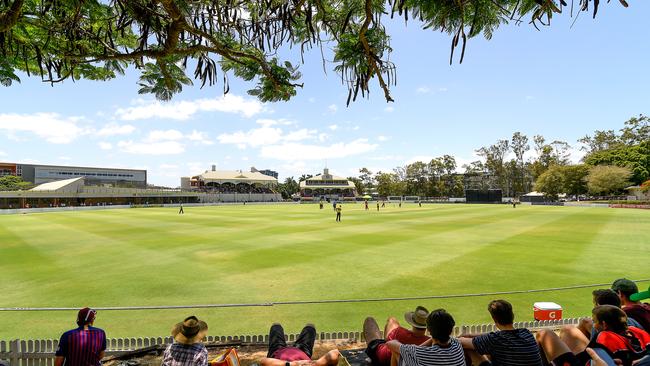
358	185
13	183
645	187
305	177
165	39
606	179
386	184
551	182
366	178
575	179
288	188
519	145
636	158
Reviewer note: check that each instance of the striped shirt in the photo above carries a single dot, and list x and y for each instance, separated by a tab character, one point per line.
435	355
509	347
179	354
82	347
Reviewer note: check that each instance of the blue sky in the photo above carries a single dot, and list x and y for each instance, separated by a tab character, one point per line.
560	82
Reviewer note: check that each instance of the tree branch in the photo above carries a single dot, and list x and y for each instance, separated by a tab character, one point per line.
9	18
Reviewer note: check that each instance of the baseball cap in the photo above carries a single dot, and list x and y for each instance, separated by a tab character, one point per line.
85	316
625	286
641	295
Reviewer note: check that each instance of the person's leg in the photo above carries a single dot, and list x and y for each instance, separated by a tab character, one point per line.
474	358
391	324
574	339
553	348
306	339
277	339
371	330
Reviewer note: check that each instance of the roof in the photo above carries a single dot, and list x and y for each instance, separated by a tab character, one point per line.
57	185
534	194
236	175
326	177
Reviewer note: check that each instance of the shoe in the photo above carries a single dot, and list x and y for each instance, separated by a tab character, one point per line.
371	329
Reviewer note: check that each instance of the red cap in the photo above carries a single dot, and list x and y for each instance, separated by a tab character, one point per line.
85	316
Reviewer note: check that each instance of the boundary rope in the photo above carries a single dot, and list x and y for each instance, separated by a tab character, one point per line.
311	302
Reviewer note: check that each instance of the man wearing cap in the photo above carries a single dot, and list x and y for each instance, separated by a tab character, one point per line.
378	351
83	346
300	353
187	349
634	308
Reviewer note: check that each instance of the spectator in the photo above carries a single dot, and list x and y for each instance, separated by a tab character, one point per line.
280	354
508	346
634	309
187	349
627	344
83	346
557	351
578	337
440	350
377	348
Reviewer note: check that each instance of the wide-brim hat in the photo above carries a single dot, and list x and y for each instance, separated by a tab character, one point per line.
417	318
189	331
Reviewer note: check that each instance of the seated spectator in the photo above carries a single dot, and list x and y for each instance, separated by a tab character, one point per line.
83	346
627	344
300	353
187	349
554	349
634	309
440	350
508	346
377	349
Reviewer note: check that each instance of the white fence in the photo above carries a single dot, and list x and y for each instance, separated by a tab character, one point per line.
41	352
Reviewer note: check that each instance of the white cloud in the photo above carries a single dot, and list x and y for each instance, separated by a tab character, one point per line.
383	138
333	108
443	89
312	100
151	148
386	158
105	145
65	158
389	109
333	127
245	158
422	158
264	135
529	97
200	137
51	127
322	137
113	129
2	153
356	128
196	167
296	151
267	122
423	90
163	135
183	110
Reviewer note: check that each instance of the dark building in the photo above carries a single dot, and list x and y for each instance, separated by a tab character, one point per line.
267	172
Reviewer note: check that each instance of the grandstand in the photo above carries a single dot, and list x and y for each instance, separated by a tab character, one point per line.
327	186
230	182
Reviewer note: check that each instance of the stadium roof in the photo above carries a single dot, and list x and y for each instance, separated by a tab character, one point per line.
58	185
234	176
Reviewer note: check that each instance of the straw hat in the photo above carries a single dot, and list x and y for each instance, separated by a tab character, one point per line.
190	331
417	318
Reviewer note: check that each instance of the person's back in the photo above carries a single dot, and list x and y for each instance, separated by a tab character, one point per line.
180	354
83	346
440	350
514	347
508	346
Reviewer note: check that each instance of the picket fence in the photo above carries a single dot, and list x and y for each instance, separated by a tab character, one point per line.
41	352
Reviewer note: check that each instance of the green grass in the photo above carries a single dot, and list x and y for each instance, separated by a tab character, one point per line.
256	254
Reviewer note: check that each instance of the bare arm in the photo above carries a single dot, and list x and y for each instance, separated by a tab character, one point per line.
58	361
393	346
427	343
331	358
466	343
267	361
